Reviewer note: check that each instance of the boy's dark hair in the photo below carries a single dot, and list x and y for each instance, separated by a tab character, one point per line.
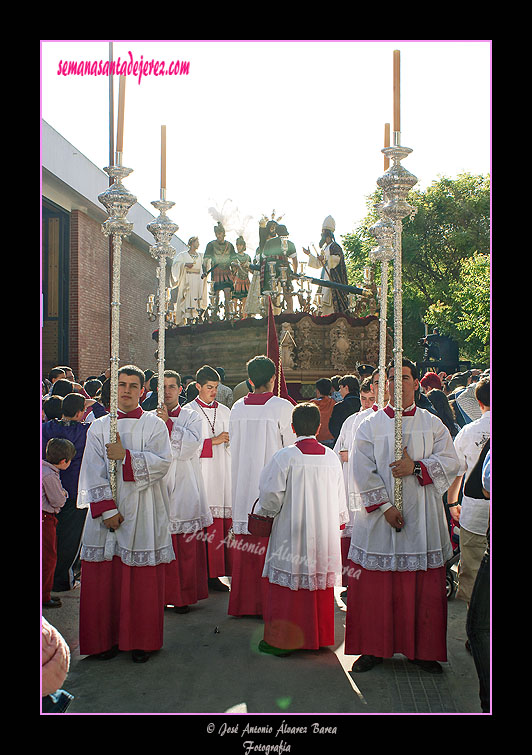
367	385
324	386
58	449
92	386
173	374
131	369
62	387
105	393
206	374
482	391
260	369
55	372
406	363
335	380
72	404
52	407
351	382
306	419
191	392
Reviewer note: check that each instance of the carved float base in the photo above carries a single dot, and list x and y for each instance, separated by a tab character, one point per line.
312	347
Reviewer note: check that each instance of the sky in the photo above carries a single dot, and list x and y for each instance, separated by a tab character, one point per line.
294	127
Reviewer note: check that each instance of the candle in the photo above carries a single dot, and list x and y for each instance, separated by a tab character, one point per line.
396	90
163	157
120	127
386	144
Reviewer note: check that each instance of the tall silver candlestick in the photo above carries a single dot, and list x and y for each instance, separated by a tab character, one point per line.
162	228
383	230
117	200
396	183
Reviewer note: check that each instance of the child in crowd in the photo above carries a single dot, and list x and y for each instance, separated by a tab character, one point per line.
59	454
215	466
302	487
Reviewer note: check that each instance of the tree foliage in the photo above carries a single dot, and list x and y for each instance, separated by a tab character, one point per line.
446	264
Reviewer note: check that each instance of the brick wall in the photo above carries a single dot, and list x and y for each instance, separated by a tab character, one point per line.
89	322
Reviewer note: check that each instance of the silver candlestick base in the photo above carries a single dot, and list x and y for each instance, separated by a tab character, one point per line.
162	229
117	200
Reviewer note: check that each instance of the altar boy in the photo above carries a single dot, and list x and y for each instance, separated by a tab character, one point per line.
303	489
259	425
215	465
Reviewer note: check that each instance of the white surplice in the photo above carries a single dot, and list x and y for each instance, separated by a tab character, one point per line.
306	495
423	541
344	443
256	431
143	538
215	470
188	506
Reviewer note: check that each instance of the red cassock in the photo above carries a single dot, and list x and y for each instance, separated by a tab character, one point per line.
397	612
298	619
121	605
186	577
245	598
123	574
304	485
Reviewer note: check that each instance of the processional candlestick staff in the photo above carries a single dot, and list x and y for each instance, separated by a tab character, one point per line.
162	229
117	200
384	231
395	184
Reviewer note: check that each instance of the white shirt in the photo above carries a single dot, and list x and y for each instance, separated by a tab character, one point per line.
215	470
306	494
424	540
344	442
188	507
474	514
143	538
257	431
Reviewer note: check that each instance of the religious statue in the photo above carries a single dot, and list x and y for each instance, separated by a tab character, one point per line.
217	260
332	263
188	277
277	249
240	271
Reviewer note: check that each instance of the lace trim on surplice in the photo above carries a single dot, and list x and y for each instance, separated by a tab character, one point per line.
303	581
95	553
396	562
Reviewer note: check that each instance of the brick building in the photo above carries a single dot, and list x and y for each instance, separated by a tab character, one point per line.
75	268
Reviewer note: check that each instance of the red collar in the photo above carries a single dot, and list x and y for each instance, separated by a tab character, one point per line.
133	414
375	407
207	406
310	446
257	399
175	412
390	411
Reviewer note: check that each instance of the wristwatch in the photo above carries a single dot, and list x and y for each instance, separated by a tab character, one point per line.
418	472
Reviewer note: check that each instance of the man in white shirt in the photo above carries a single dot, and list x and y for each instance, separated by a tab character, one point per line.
302	488
343	447
396	599
189	512
126	543
473	513
215	465
260	424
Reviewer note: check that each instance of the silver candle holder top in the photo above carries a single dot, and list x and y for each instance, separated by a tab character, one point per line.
395	183
162	229
117	200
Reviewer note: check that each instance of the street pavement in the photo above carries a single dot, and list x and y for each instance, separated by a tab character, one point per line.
210	665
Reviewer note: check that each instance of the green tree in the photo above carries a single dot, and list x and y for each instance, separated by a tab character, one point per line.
440	286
